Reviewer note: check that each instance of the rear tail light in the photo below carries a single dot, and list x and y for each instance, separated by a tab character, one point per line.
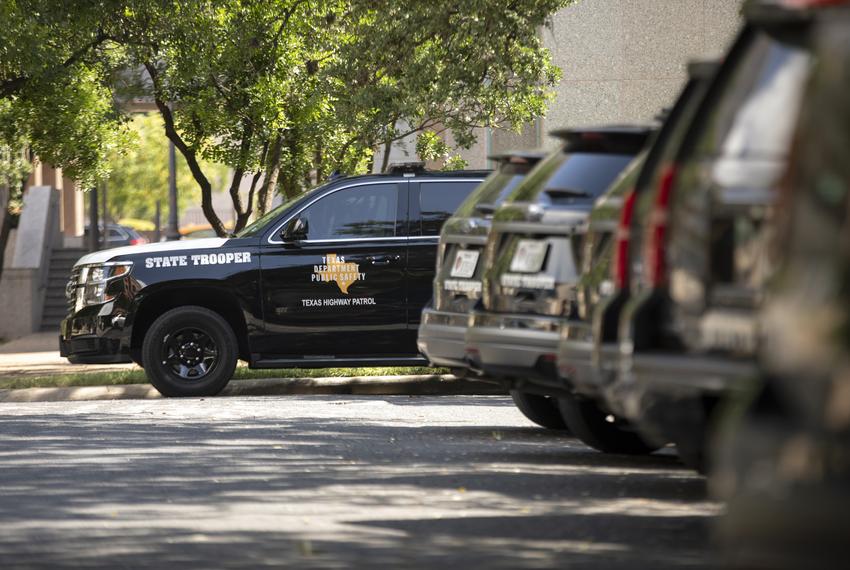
136	241
620	267
658	229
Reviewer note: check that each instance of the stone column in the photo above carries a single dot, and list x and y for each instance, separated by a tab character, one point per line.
73	209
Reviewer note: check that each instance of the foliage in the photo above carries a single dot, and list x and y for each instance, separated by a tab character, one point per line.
284	91
54	92
431	147
139	175
294	90
137	224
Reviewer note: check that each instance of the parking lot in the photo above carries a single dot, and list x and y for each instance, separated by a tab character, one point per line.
329	481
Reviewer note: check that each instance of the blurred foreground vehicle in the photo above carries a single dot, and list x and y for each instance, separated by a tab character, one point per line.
784	465
531	259
457	284
688	335
588	355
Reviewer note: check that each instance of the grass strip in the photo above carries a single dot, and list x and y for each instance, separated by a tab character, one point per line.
137	376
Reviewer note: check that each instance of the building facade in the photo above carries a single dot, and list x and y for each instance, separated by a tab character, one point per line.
623	61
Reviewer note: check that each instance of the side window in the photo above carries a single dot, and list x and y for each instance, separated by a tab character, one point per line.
439	200
354	212
115	234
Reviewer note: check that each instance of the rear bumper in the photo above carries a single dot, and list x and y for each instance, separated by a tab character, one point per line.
671	396
94	336
522	347
575	357
442	338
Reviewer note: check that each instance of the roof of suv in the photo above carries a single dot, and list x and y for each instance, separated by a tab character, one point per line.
627	139
404	171
783	11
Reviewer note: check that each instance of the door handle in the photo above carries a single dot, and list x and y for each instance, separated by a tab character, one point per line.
382	259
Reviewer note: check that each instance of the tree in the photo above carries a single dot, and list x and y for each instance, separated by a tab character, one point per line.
289	90
138	177
442	65
55	98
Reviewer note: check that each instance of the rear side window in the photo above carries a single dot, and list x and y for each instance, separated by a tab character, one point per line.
367	211
439	200
754	118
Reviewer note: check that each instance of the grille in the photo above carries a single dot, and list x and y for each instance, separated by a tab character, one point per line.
71	289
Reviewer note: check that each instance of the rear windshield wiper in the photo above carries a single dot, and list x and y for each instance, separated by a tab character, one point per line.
485	209
567	193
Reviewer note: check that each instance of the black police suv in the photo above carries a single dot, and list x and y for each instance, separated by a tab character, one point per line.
689	335
457	283
337	276
783	463
588	356
532	258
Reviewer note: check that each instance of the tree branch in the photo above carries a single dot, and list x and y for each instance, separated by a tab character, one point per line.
188	153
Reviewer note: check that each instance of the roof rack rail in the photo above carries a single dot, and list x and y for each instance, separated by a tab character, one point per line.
406	167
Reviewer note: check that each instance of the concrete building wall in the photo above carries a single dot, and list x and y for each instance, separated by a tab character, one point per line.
623	61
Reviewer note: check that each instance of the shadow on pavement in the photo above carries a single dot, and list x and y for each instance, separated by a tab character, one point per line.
156	489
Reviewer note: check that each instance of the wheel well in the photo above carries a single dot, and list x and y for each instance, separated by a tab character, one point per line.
212	298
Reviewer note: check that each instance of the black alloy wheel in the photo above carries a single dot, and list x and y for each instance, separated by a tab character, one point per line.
190	351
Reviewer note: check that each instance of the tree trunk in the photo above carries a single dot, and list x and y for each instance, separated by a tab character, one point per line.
266	192
385	162
188	153
5	223
242	212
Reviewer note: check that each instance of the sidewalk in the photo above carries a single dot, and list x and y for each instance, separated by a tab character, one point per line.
38	355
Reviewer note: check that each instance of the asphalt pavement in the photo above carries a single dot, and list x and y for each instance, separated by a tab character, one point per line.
332	482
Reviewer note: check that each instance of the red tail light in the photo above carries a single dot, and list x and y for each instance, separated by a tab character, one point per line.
656	265
620	267
138	241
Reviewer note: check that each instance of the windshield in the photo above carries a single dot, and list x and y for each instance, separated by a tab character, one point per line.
259	225
493	190
565	177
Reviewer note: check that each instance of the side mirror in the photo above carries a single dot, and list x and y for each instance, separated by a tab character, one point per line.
295	230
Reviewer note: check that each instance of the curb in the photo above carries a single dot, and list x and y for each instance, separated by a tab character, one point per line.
420	385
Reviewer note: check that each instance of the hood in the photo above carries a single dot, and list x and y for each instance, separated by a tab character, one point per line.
108	254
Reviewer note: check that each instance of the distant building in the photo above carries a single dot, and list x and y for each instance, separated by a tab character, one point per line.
622	60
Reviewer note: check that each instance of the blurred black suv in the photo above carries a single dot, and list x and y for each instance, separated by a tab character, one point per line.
588	356
532	255
784	465
689	333
457	283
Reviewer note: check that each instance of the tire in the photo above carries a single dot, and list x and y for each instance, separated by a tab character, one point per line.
590	424
189	351
542	410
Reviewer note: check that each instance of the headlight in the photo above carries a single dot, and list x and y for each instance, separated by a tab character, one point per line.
93	282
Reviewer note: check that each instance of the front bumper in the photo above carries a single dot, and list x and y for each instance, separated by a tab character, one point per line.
442	338
95	335
519	347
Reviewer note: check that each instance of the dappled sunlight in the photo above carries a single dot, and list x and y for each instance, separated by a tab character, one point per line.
282	482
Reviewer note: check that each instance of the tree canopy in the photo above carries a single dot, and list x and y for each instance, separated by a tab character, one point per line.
55	94
282	92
